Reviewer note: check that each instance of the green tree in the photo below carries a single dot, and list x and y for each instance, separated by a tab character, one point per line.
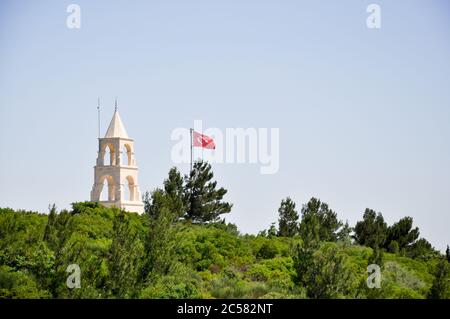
288	218
325	273
272	231
319	222
421	249
126	255
377	257
394	247
303	263
160	242
49	233
174	189
19	285
148	204
304	256
447	253
57	235
268	250
124	259
441	284
402	232
343	234
204	201
372	230
156	202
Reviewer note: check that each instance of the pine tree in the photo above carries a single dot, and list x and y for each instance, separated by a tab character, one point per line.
174	189
372	230
272	231
288	218
204	201
153	203
319	222
303	263
402	232
324	272
377	257
441	284
49	232
57	234
160	242
447	253
343	234
421	249
124	259
393	247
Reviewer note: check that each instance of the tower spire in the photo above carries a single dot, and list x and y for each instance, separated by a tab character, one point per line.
116	105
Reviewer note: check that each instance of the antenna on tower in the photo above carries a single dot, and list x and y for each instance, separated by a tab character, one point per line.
98	116
116	104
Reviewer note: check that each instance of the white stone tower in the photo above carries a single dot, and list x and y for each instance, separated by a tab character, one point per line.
116	173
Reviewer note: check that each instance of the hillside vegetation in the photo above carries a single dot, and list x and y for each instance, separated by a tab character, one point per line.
181	248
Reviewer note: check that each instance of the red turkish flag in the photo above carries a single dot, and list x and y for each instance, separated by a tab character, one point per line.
200	140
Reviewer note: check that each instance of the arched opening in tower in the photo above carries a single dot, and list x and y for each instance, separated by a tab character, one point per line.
107	192
110	156
129	189
126	155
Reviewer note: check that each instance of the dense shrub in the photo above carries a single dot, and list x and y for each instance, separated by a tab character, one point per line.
206	261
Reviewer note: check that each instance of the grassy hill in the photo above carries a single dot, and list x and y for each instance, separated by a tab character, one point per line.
124	255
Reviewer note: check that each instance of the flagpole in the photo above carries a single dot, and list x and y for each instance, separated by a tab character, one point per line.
191	149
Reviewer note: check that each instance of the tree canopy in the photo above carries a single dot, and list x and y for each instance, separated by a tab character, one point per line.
288	218
372	230
180	248
319	222
203	199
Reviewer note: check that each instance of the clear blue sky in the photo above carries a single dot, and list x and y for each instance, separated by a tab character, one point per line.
363	114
